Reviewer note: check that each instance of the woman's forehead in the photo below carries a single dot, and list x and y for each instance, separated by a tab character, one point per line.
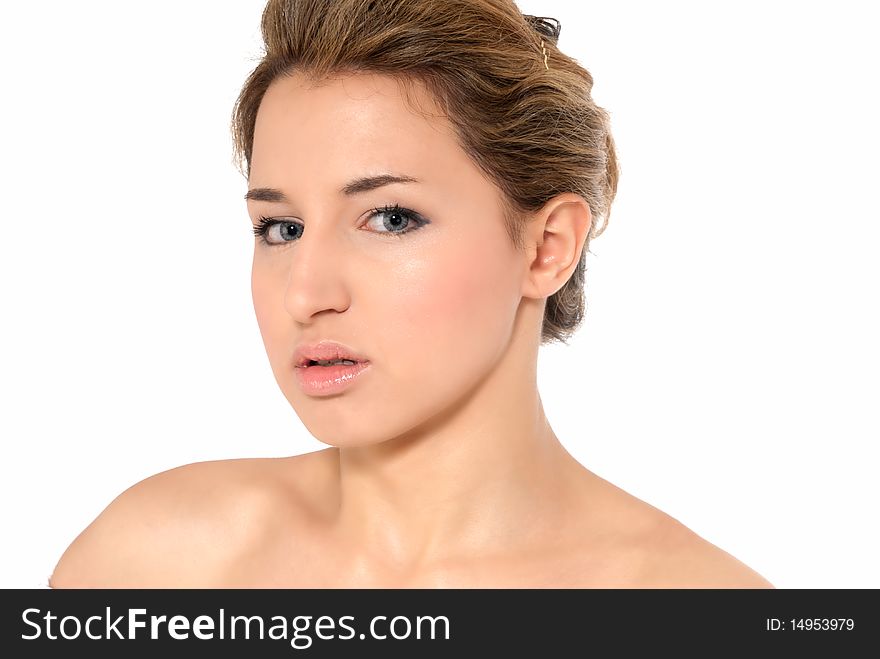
352	126
356	110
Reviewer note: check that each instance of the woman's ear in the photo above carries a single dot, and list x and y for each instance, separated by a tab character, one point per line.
555	239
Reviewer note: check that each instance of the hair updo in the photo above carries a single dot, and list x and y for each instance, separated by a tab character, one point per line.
534	132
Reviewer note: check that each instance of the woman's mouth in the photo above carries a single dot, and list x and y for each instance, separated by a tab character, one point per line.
331	362
323	378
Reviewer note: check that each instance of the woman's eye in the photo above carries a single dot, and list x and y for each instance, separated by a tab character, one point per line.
274	232
394	220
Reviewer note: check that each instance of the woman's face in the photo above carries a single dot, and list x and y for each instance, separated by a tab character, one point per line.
429	299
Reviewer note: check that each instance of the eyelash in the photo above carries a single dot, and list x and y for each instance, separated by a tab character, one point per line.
266	223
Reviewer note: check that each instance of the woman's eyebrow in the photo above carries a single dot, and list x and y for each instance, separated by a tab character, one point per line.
357	186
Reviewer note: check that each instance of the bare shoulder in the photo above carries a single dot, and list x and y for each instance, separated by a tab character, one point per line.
182	527
676	557
632	544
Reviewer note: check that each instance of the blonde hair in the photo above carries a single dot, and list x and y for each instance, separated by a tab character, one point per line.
522	110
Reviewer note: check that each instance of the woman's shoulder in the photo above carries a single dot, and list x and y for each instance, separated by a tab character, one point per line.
677	557
185	526
671	555
648	548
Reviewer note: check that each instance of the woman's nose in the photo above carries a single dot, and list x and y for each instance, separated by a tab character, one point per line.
316	280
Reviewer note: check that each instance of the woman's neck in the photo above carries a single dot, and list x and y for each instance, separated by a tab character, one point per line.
480	479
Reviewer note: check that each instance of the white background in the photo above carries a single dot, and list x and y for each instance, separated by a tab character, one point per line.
727	371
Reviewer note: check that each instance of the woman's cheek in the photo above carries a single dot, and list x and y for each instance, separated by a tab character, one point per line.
273	323
457	307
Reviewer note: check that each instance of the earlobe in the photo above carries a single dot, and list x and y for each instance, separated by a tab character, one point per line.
557	235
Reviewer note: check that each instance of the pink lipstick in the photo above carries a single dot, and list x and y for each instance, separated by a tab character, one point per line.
327	367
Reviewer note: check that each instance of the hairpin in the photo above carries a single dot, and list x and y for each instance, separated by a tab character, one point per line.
544	50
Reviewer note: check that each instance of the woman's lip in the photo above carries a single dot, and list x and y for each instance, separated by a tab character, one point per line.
324	351
327	380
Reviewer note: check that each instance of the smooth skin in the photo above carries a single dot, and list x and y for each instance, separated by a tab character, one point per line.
442	468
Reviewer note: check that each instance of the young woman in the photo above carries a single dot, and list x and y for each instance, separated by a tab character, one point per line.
424	180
